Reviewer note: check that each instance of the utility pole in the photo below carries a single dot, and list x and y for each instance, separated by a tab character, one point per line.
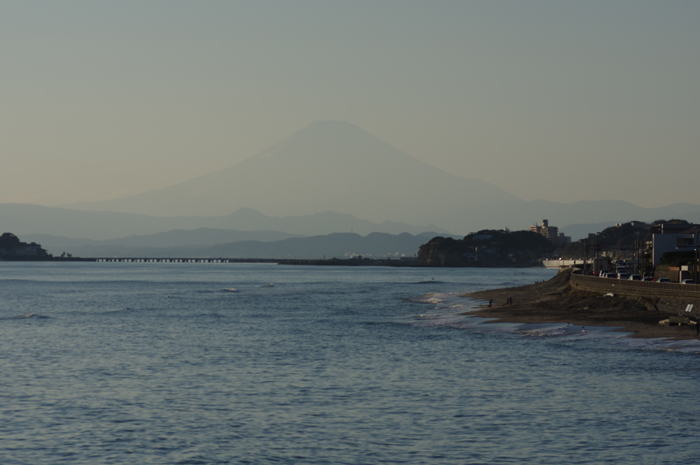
697	256
595	265
636	252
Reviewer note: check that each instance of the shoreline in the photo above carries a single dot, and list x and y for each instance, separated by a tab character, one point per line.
554	301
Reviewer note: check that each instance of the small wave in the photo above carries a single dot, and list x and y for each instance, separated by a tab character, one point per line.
431	298
116	312
208	316
455	320
27	315
229	289
545	332
689	346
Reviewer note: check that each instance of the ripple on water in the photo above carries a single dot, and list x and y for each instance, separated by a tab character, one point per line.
339	366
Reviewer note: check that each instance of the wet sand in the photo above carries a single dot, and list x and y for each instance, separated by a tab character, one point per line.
554	301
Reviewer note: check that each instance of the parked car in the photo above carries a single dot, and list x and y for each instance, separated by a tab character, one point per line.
623	276
648	278
663	280
635	277
611	275
687	281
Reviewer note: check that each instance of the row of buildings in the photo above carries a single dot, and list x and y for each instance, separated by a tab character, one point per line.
675	242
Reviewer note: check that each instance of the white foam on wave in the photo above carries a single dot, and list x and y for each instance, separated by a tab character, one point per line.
25	317
430	298
28	315
549	331
448	309
437	320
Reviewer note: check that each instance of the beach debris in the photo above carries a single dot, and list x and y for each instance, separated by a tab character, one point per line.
676	321
609	294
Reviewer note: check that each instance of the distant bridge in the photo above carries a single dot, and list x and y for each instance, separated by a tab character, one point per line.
279	261
180	260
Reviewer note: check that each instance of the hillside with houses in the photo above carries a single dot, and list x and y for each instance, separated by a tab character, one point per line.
12	248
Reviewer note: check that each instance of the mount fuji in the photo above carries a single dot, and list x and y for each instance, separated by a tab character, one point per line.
328	166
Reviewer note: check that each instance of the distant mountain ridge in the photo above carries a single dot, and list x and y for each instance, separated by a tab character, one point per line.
575	219
23	219
328	166
333	166
177	238
338	245
330	177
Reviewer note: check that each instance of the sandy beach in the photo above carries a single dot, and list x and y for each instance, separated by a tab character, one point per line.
554	301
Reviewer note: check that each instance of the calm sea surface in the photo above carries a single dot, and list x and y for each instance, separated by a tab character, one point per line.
109	363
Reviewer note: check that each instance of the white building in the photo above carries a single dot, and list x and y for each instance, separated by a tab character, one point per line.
673	238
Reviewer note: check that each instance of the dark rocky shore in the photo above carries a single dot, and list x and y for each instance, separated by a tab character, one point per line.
554	301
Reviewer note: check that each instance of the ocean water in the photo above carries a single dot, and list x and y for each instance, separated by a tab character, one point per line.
146	363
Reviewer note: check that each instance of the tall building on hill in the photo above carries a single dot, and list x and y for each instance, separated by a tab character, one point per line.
551	233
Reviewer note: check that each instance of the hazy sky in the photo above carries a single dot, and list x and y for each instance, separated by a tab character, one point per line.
560	100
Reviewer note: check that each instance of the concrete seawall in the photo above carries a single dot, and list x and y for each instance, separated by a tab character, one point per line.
636	288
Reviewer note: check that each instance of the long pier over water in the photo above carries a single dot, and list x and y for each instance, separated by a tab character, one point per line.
152	260
181	260
279	261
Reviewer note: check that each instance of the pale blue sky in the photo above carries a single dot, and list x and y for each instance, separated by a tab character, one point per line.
558	100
